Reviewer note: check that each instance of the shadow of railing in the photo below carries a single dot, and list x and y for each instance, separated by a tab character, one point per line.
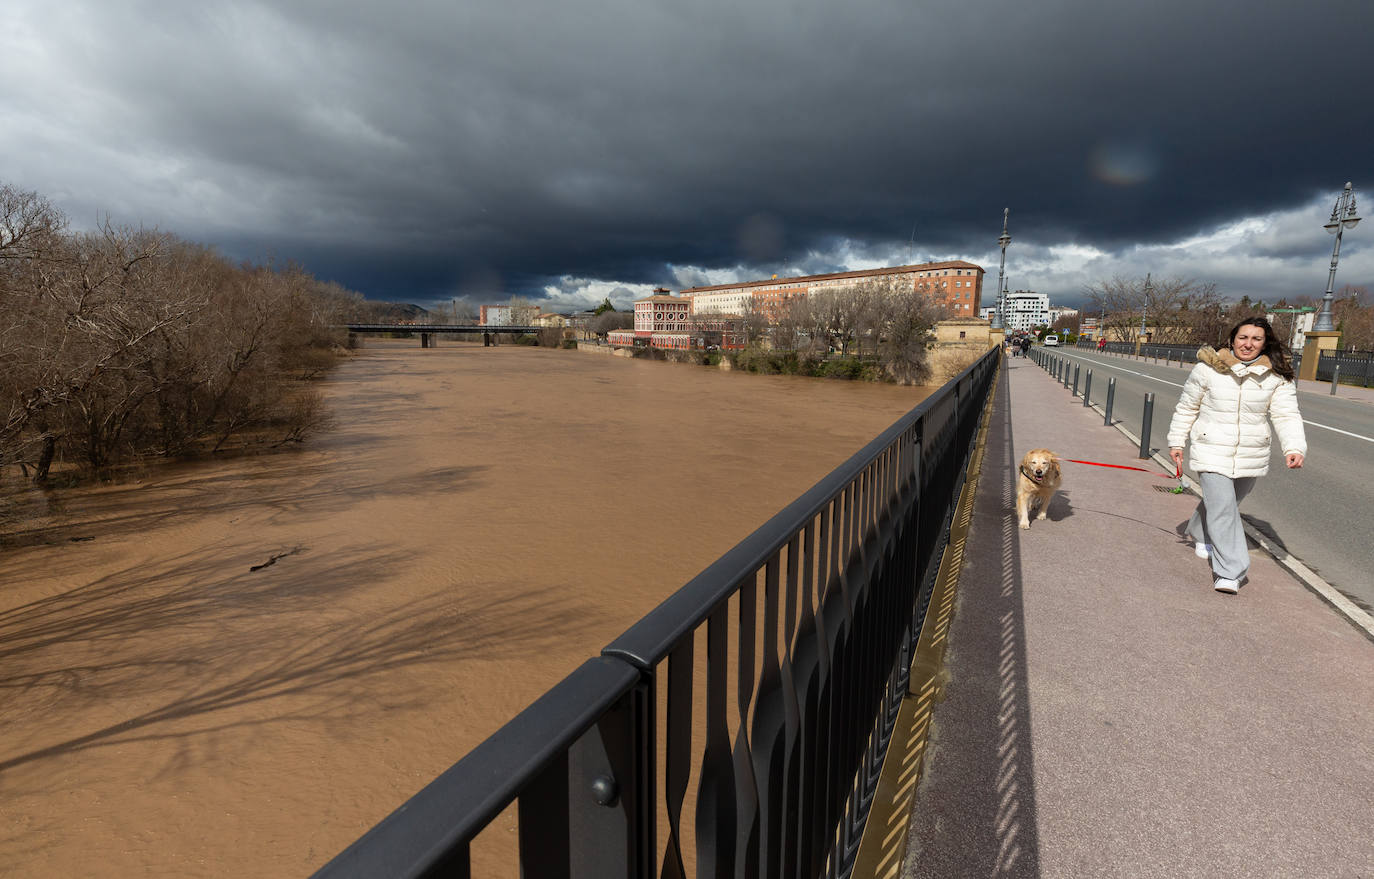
975	809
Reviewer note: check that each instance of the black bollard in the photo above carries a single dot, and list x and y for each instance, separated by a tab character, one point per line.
1087	388
1146	417
1111	397
1075	379
1335	379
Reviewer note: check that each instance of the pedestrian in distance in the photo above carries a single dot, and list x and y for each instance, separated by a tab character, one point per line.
1222	416
1025	344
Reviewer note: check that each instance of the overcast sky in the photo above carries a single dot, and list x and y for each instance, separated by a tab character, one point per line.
566	151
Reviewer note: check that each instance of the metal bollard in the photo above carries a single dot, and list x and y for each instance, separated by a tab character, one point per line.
1087	388
1146	417
1111	397
1335	379
1075	379
1066	372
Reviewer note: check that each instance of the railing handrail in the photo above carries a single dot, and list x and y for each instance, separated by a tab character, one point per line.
435	820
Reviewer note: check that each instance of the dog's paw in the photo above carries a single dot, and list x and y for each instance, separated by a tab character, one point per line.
1041	516
1025	526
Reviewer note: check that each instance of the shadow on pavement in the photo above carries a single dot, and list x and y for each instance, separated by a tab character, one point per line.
975	809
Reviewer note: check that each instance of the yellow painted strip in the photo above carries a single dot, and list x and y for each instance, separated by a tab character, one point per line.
883	846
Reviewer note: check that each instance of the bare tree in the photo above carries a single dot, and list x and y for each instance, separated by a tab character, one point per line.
1173	310
1354	317
606	321
905	333
126	342
522	312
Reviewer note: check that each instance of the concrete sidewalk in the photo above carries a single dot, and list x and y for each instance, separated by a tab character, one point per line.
1106	713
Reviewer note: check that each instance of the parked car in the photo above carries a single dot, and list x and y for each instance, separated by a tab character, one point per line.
1051	341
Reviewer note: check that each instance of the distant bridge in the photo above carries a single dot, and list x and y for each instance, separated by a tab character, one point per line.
428	331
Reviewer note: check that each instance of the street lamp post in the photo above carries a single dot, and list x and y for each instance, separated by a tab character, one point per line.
998	315
1145	307
1343	216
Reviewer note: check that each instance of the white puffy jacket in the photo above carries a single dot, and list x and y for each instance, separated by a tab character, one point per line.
1223	409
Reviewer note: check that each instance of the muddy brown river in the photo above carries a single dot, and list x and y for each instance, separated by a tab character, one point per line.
237	667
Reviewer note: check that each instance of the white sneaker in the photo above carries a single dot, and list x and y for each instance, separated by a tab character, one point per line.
1202	550
1230	587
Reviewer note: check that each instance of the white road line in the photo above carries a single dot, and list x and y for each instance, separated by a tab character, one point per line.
1175	384
1338	430
1124	369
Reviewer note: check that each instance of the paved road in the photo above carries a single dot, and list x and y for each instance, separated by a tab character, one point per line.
1321	513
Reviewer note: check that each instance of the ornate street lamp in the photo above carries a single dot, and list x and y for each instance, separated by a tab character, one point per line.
999	314
1343	216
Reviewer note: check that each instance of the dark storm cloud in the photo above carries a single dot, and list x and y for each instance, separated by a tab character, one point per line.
423	150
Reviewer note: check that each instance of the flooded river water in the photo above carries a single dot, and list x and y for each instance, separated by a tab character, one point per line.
237	667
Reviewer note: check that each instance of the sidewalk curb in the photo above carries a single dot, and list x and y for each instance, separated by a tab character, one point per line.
1286	560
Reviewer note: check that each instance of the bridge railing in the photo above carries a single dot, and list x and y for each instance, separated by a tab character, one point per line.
1357	367
739	727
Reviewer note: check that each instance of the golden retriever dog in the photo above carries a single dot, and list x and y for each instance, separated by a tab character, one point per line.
1037	479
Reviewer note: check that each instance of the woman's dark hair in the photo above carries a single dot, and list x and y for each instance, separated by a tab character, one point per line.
1278	359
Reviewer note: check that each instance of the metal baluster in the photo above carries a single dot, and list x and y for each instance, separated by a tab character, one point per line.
716	792
798	568
768	728
678	752
746	790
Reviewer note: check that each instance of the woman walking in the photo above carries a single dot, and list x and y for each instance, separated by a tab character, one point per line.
1222	413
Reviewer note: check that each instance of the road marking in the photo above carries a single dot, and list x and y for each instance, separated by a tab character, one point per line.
1124	369
1338	430
1357	436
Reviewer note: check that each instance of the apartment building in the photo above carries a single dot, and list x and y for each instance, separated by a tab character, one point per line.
507	315
1026	309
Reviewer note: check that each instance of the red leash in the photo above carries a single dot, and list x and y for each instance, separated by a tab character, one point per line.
1125	467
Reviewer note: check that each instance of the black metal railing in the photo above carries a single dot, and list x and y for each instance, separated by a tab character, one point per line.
1356	367
807	628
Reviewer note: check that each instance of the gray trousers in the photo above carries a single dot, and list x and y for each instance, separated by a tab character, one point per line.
1216	522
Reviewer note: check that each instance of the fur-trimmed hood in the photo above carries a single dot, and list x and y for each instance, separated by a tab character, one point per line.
1226	360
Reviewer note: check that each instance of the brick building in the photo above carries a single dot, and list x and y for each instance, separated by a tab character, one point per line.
954	283
662	313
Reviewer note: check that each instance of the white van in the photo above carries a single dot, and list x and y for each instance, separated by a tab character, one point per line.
1051	341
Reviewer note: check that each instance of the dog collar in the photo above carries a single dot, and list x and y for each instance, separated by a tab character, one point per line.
1031	476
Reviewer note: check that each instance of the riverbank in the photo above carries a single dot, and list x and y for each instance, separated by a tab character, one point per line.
238	667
